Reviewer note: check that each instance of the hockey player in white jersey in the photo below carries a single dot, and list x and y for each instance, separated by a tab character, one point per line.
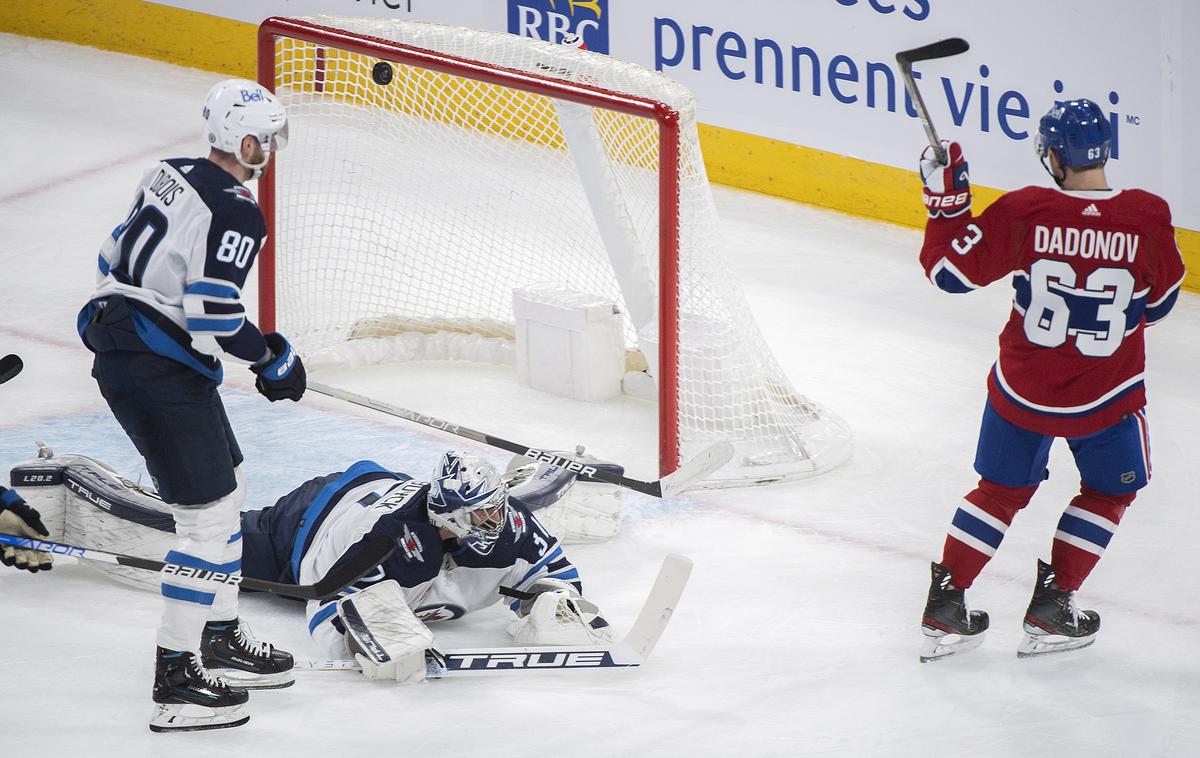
167	304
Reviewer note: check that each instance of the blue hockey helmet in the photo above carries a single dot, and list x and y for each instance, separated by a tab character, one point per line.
1078	131
469	498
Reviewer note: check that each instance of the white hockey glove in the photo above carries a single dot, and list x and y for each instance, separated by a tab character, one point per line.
573	509
384	635
559	615
588	512
18	519
947	190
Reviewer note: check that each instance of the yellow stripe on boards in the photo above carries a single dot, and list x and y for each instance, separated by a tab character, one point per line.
741	160
153	31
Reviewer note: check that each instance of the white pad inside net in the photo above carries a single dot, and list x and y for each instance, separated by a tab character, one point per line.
408	212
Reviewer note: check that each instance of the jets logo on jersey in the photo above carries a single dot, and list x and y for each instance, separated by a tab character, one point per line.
241	193
441	612
412	547
517	522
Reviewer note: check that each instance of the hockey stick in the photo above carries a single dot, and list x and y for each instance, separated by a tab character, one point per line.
10	366
377	551
943	49
629	652
704	463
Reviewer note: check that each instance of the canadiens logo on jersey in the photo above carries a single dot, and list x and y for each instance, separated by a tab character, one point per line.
411	545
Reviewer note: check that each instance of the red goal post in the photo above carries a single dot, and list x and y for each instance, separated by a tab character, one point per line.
668	190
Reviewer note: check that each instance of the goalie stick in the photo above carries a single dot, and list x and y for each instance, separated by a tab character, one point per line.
905	58
341	576
704	463
10	366
629	652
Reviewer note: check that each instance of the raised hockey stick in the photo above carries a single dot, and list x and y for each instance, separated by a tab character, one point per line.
629	652
10	366
943	49
341	576
704	463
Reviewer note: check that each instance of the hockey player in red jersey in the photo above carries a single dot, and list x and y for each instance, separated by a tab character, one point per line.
1091	268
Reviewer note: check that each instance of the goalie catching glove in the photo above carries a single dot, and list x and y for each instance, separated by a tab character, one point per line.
572	506
557	614
384	636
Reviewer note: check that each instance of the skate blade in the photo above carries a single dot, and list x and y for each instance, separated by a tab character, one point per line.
186	717
1034	645
244	680
940	645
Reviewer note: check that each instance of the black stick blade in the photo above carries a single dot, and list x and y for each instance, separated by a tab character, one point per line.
10	366
943	49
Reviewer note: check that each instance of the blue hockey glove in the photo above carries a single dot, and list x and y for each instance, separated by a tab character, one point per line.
280	377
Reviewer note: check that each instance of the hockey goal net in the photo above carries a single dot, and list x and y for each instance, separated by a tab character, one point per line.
436	169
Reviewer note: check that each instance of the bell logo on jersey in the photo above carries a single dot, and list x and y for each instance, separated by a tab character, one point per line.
580	23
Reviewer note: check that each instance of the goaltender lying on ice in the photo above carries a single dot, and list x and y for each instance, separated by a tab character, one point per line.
461	538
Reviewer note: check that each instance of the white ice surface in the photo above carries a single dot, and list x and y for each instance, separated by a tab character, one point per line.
798	635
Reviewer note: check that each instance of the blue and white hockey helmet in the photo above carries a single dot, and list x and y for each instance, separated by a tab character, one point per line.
1078	131
469	498
238	108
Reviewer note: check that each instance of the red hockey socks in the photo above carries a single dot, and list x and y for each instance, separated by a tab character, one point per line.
1083	533
978	528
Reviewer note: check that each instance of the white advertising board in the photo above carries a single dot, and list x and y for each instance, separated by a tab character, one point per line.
822	73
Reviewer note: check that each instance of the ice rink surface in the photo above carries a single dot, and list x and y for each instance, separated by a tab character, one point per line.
799	632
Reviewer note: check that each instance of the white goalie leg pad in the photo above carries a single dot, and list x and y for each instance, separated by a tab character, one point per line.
588	512
106	512
387	640
559	615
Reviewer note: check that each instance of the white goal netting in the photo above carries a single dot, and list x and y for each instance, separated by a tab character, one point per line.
415	197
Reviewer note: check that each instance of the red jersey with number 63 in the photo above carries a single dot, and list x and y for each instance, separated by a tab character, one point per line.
1090	269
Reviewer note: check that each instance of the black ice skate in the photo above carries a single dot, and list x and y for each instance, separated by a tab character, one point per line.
229	650
948	626
187	698
1053	624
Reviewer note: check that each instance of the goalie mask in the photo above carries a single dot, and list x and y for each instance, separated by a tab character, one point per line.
239	108
469	498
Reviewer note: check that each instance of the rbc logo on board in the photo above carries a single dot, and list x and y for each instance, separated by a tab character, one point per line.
552	20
